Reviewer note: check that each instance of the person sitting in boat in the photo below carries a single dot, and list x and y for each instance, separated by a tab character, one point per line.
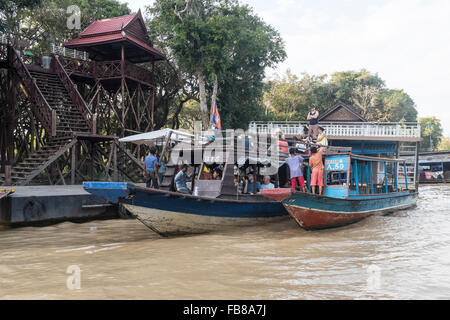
180	180
322	138
266	183
251	186
238	184
316	165
151	169
295	167
217	174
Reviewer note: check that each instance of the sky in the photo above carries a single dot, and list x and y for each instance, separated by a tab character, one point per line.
406	42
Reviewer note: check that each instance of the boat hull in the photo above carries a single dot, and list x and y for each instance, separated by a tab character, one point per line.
171	213
318	212
175	214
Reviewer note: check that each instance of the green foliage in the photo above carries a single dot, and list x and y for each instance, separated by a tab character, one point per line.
290	97
219	38
431	129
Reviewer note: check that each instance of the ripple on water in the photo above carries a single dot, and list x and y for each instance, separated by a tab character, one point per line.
123	259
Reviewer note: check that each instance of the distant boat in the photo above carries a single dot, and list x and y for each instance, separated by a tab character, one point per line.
355	188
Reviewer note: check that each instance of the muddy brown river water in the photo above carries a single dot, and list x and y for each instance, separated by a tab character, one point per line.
405	255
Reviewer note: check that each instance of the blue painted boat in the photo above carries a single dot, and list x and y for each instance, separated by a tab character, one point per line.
355	187
174	213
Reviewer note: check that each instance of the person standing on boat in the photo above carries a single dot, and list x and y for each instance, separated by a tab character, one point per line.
295	167
313	118
180	180
151	169
316	165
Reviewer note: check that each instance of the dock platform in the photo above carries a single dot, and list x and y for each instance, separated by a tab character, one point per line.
29	205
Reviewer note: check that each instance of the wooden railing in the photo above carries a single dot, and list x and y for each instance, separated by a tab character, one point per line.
138	73
108	69
77	66
346	129
75	95
105	70
40	106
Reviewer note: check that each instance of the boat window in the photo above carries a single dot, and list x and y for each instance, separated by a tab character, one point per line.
336	178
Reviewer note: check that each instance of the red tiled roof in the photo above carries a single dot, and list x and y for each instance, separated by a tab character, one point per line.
115	37
91	40
107	25
144	45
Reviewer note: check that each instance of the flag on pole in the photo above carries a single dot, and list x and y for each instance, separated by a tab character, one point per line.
215	117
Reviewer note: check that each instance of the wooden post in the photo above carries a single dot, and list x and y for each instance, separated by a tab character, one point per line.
385	178
122	69
115	173
396	176
371	177
356	176
73	164
8	180
152	102
53	122
406	174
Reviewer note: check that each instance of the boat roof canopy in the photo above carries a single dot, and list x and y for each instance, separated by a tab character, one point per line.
149	138
375	159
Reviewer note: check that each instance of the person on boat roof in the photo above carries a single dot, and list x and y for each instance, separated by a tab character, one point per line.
313	118
251	186
151	169
322	138
295	167
180	180
316	165
266	183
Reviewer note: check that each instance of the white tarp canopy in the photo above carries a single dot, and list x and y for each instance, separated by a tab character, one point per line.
150	137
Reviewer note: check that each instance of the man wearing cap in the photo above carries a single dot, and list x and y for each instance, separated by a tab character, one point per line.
313	118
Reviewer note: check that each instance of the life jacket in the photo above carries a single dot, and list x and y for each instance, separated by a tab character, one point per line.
284	146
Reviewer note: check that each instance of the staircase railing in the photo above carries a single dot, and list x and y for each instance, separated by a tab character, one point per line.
75	95
40	106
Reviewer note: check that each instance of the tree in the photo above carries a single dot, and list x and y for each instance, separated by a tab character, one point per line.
217	41
431	132
291	97
444	145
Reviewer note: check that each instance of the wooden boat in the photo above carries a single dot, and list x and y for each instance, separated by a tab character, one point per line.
355	187
173	213
214	204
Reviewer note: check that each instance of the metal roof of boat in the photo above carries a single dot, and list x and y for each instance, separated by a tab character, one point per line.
150	137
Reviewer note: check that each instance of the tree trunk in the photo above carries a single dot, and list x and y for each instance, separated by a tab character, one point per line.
214	94
203	103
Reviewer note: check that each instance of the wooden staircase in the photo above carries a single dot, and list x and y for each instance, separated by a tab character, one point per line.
69	118
25	171
58	106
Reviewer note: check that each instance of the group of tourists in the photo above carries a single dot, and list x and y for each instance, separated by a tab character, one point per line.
313	135
250	185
